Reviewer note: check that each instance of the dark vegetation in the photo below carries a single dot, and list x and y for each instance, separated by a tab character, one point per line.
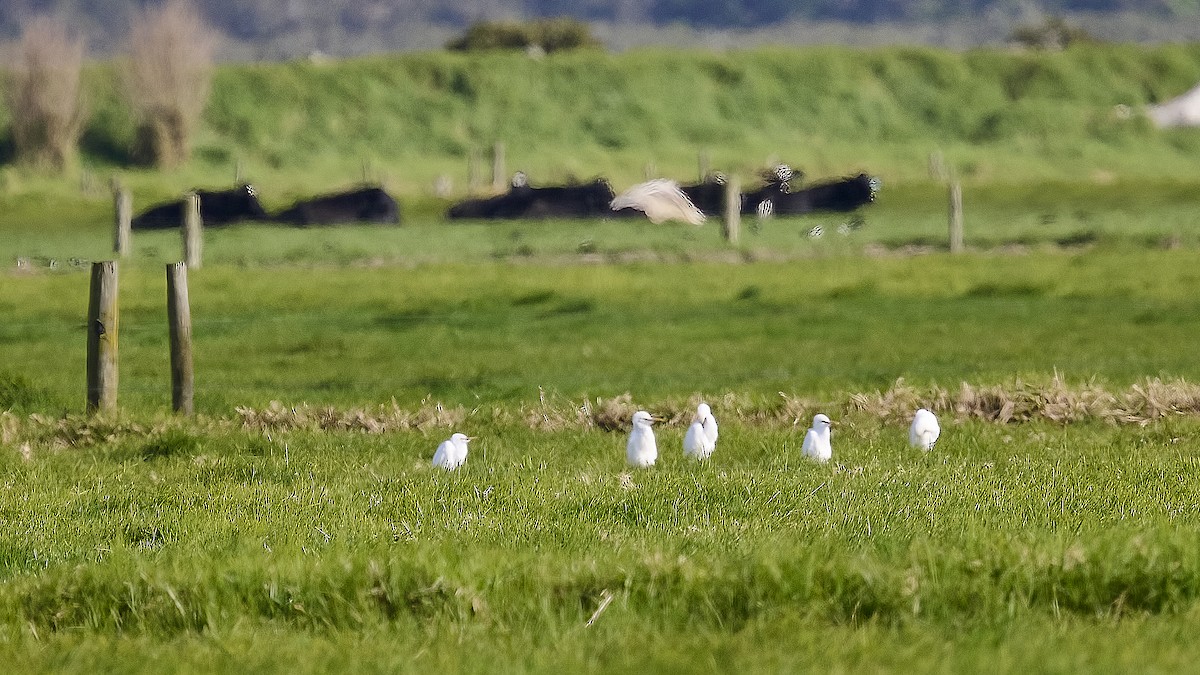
548	35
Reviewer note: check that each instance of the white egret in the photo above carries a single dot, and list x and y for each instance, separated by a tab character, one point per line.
641	450
924	431
452	452
660	199
701	437
816	441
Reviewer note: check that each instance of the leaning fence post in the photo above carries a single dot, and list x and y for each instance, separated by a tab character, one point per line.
732	221
702	164
192	227
179	316
956	216
103	319
123	206
499	174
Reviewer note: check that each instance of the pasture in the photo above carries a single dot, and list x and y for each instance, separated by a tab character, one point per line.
312	535
295	525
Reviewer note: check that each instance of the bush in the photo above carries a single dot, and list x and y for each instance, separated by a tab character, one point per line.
168	77
1053	34
44	95
550	35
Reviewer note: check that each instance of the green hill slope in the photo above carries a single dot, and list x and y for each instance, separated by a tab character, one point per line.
996	116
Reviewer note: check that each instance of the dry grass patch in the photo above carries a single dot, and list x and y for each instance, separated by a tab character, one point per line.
383	419
1054	401
1019	402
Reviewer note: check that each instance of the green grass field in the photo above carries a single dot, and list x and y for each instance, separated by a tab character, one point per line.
295	525
319	538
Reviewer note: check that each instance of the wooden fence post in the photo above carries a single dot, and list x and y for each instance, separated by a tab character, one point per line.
473	178
499	173
102	324
937	166
732	222
702	164
179	316
192	231
956	216
123	206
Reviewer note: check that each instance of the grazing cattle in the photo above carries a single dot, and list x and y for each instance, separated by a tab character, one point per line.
366	205
216	208
708	195
841	195
777	181
588	200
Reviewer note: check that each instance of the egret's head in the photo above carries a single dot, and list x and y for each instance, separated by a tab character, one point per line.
461	438
642	418
821	421
703	411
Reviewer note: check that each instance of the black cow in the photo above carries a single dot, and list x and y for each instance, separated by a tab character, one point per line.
846	194
588	200
216	208
708	195
779	180
366	205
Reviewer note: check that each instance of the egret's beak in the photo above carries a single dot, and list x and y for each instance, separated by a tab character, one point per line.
471	438
657	418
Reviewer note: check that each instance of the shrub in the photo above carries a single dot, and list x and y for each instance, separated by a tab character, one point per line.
550	35
168	77
44	95
1053	34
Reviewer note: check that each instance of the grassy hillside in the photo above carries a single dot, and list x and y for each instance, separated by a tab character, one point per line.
997	116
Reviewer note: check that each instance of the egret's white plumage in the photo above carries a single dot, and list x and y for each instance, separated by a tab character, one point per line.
641	450
701	437
924	431
452	452
816	441
660	199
